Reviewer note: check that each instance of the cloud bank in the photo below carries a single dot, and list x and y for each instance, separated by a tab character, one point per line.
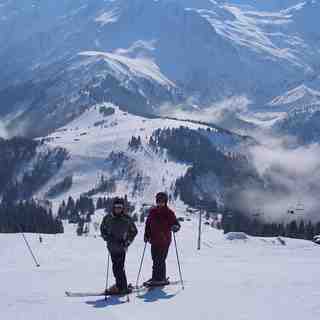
3	131
290	181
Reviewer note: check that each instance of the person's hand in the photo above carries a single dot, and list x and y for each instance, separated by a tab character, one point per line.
104	237
125	243
175	228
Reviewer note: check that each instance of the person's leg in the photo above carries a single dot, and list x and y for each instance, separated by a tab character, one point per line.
118	261
159	256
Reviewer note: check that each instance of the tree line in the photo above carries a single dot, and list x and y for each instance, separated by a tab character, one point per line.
28	216
238	222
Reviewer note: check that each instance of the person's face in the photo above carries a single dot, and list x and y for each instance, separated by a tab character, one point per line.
118	208
160	203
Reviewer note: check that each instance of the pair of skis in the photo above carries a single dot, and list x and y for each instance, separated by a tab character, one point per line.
138	289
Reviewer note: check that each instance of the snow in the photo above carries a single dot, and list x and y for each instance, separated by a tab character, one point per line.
107	17
270	33
255	279
301	95
236	236
139	67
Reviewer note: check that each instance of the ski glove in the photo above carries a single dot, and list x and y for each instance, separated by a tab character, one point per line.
126	243
175	228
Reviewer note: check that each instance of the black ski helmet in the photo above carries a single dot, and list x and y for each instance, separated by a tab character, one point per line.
118	201
162	196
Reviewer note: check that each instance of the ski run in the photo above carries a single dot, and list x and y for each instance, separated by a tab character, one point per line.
252	279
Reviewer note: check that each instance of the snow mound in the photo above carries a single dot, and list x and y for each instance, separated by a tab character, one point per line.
236	236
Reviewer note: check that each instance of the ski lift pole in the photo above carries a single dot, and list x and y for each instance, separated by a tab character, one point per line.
142	258
178	260
199	230
30	250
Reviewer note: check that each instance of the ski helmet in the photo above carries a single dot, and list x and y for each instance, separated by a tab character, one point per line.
118	202
162	196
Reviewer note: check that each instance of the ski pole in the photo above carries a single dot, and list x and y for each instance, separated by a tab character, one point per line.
107	280
175	242
144	250
28	246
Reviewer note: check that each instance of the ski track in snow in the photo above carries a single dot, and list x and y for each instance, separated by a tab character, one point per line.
253	279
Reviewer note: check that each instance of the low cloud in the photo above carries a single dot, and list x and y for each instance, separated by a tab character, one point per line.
215	113
290	181
289	173
3	131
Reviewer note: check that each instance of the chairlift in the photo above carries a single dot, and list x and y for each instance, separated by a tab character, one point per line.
256	215
298	210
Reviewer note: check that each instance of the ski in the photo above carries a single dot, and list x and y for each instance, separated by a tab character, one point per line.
74	294
160	284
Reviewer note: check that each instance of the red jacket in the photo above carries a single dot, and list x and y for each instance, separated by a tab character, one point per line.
158	226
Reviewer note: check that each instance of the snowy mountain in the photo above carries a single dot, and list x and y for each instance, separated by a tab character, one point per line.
27	165
142	54
296	98
298	113
98	145
302	123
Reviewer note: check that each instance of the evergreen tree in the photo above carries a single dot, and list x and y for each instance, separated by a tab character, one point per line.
28	216
317	229
301	230
309	231
292	229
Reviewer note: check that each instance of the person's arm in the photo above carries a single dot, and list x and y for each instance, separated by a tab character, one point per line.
147	230
132	232
105	229
175	225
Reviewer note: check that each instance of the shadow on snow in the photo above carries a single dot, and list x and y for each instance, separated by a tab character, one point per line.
156	294
102	303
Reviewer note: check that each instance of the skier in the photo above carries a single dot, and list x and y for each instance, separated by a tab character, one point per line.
118	230
160	223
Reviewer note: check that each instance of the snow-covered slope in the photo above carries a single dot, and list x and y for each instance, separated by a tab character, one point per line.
252	279
302	122
126	68
298	111
296	98
98	144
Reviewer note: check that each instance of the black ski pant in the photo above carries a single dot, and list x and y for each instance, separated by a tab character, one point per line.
159	256
118	260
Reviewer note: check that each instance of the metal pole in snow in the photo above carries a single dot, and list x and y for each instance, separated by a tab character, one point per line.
199	230
141	262
30	250
178	260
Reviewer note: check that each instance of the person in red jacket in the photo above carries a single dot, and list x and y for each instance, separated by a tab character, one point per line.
160	223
